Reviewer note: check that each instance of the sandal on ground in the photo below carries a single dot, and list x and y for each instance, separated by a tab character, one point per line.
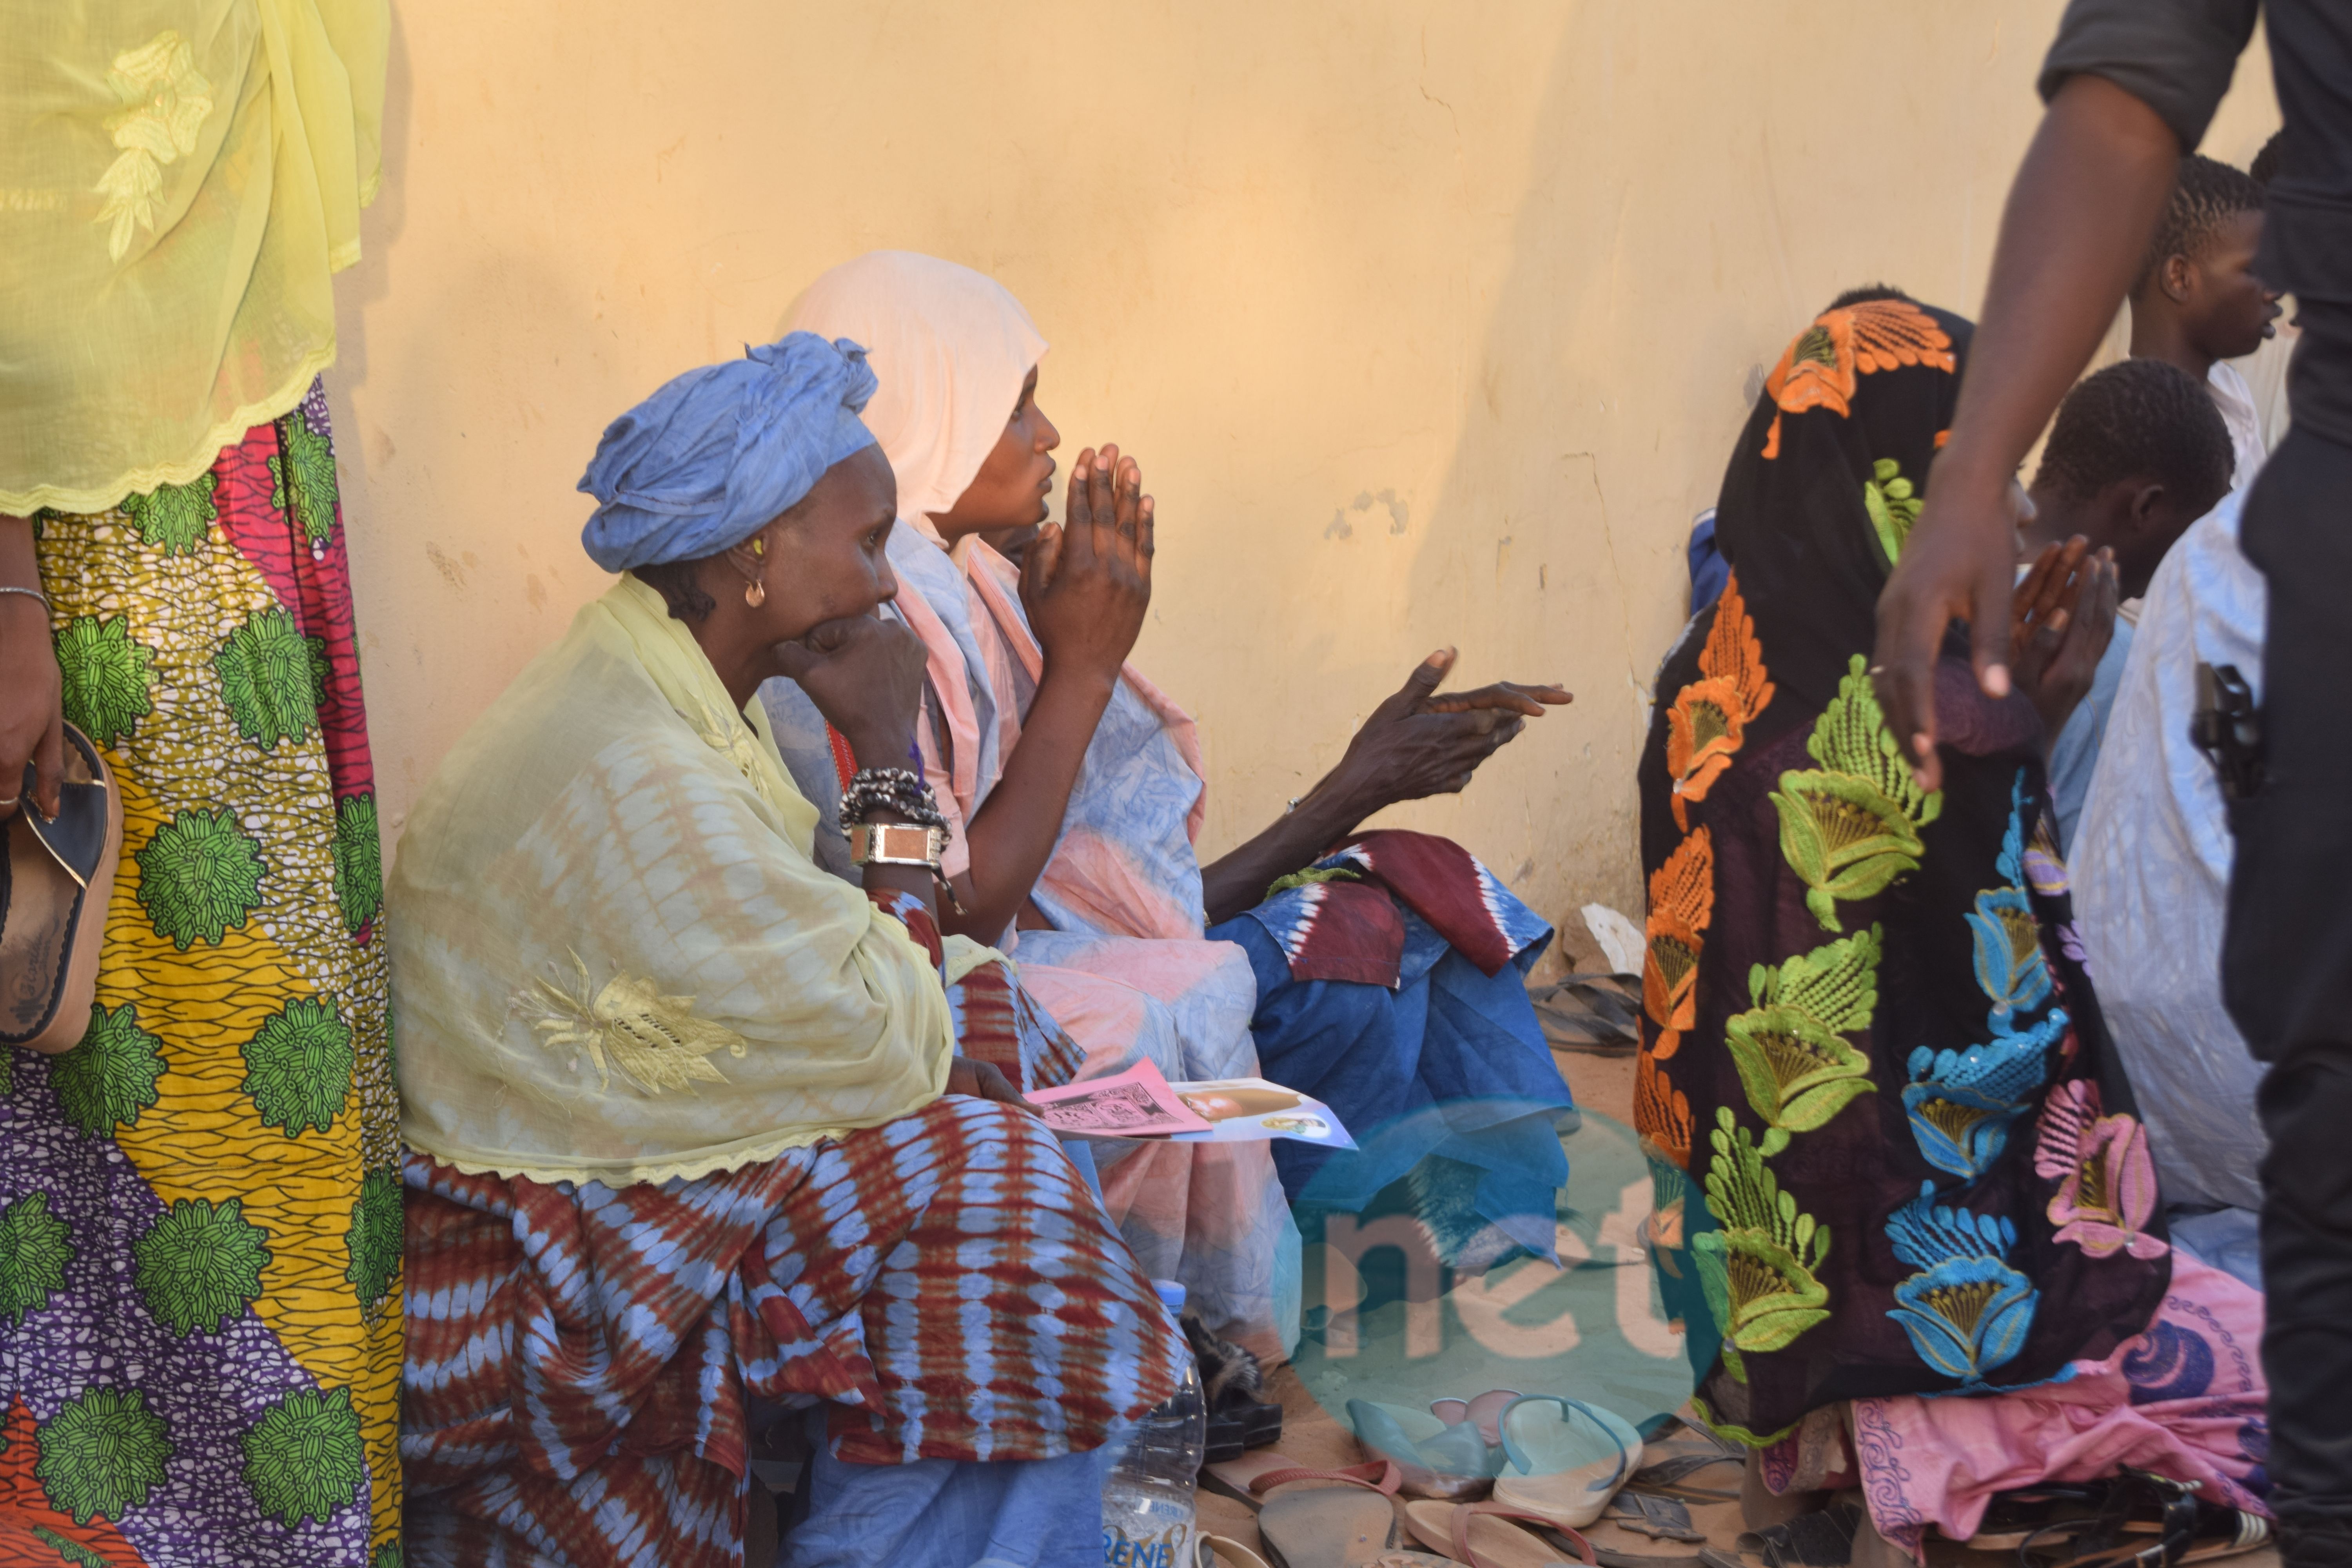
1485	1413
1346	1525
57	878
1564	1458
1684	1464
1659	1517
1486	1535
1435	1457
2139	1519
1823	1539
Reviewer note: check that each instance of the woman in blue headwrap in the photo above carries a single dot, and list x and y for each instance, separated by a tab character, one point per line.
698	1128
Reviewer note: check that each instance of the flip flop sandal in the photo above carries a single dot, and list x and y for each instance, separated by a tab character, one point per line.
1660	1518
55	879
1570	1459
1820	1539
2201	1532
1670	1476
1435	1458
1486	1535
1485	1413
1224	1552
1345	1526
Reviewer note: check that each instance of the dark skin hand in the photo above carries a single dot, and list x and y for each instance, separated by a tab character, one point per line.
1085	584
32	717
2077	226
1417	743
824	571
2064	611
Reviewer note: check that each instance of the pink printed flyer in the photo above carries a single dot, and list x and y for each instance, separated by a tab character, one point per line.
1246	1109
1137	1103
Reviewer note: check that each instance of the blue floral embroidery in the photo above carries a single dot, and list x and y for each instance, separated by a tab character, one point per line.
1966	1309
1961	1103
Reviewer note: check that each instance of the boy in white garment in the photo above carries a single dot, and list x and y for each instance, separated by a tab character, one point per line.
2196	303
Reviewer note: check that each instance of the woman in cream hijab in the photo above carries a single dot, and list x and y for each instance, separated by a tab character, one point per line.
1388	987
690	1120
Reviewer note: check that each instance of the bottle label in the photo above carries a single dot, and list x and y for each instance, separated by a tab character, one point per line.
1167	1548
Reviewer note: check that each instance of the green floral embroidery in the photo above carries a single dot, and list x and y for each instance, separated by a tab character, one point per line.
107	677
1733	1430
358	861
386	1556
200	1264
199	876
299	1068
272	678
72	1552
1763	1257
174	519
302	481
1893	504
34	1252
1852	826
1791	1049
303	1458
374	1240
107	1081
101	1454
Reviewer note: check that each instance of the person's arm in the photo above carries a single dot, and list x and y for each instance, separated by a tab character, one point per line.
31	718
1415	744
2078	221
1085	586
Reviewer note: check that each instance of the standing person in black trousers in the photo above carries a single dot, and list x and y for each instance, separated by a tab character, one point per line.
2131	85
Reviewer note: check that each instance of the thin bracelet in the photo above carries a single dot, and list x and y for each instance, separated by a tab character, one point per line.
28	593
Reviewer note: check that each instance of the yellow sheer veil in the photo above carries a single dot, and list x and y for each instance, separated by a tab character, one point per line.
178	183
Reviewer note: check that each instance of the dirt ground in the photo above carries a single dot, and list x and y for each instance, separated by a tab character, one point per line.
1312	1437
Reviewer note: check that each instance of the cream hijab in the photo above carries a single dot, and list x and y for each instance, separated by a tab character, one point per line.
952	347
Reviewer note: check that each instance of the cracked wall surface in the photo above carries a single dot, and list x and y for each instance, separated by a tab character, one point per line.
1430	323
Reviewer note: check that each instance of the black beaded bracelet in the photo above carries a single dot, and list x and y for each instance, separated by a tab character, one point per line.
894	789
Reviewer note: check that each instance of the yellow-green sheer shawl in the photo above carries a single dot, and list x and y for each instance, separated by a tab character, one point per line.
614	958
179	179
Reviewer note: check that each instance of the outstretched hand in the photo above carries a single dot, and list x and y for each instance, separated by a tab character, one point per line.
865	675
1087	582
1418	744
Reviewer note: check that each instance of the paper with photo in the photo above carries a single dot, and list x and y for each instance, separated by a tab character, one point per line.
1248	1110
1137	1103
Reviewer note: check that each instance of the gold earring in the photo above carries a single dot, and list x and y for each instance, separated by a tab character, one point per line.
755	593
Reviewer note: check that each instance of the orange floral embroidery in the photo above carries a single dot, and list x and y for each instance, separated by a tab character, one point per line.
1662	1113
1682	901
1820	368
1711	715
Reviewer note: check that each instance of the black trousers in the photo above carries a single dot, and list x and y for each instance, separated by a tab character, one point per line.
2287	977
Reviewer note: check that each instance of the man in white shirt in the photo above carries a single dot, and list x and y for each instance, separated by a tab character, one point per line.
2151	860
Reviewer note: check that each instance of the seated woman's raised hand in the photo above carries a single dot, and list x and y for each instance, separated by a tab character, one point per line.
865	675
1087	582
1419	742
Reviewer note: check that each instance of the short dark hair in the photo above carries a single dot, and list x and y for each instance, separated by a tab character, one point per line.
2265	166
2140	419
679	584
2207	195
1868	292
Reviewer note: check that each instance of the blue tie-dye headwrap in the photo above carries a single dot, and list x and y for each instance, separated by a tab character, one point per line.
703	463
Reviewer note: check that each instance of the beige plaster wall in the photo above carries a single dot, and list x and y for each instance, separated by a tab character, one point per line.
1432	322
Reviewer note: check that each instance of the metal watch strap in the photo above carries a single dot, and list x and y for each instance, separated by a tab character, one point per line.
894	844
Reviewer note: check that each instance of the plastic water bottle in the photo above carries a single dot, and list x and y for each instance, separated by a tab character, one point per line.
1146	1505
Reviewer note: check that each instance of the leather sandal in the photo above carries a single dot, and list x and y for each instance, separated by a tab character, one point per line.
57	878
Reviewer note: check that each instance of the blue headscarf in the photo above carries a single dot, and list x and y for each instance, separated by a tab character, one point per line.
716	453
